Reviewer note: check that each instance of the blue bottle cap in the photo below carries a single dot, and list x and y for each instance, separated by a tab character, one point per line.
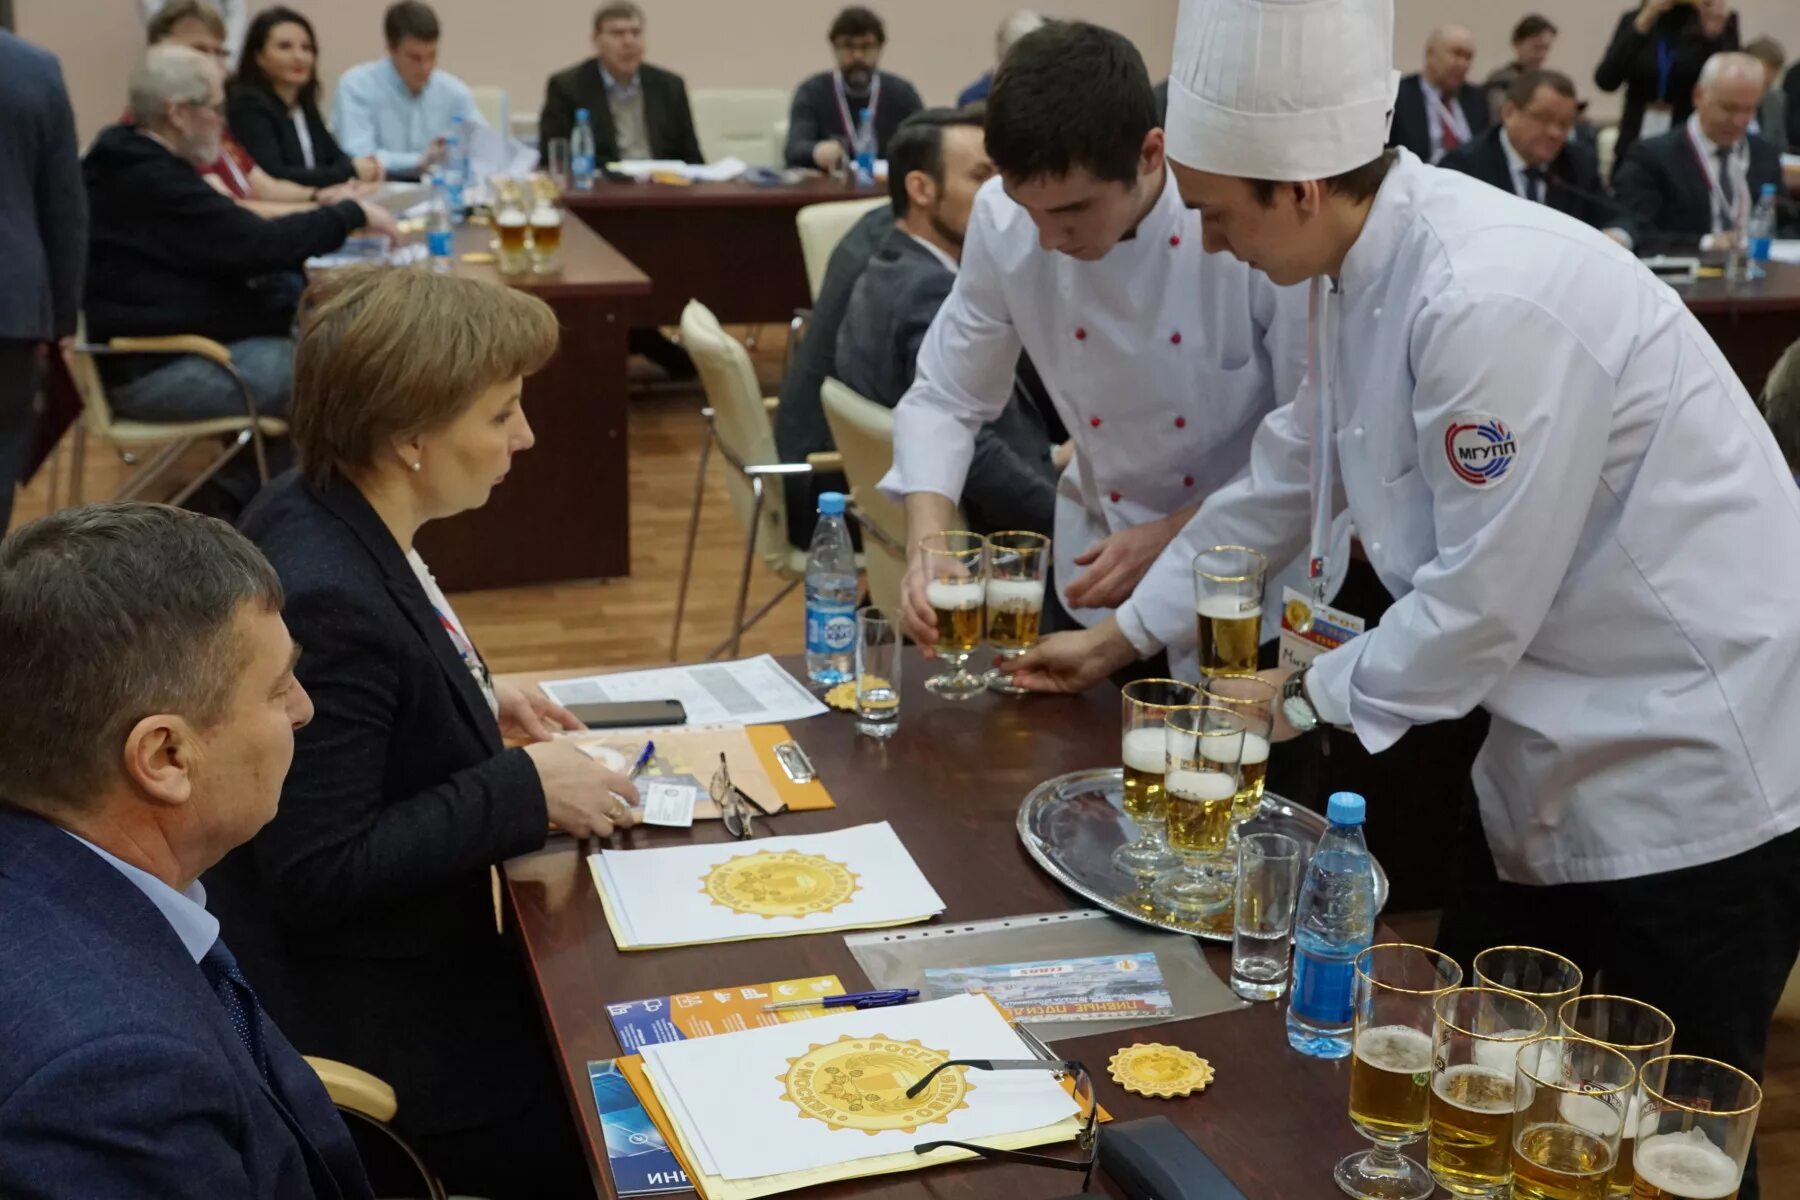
831	504
581	114
1345	808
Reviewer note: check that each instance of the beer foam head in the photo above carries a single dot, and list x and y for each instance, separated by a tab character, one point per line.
1025	595
1225	748
1503	1056
546	214
512	218
1228	607
954	595
1397	1048
1687	1164
1199	786
1476	1088
1145	750
1594	1114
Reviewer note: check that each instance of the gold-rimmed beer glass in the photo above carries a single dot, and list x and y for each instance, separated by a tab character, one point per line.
1542	976
1573	1095
1018	563
512	228
1695	1129
1638	1031
1390	1067
1255	698
546	221
1200	782
1475	1057
1228	596
1144	706
956	589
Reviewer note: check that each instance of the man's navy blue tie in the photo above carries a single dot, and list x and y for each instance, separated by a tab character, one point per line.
228	983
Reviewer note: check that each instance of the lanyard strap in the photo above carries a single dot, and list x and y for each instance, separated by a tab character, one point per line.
466	649
843	102
1453	119
1665	69
1321	364
1736	210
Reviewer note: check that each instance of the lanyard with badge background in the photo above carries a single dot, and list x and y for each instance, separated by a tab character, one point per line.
1728	213
843	102
1659	114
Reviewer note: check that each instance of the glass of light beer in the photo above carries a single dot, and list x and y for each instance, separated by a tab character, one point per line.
1228	595
546	232
1144	706
1694	1131
1573	1096
956	589
1397	985
1477	1037
1018	562
512	228
1639	1032
1255	698
1546	978
1200	781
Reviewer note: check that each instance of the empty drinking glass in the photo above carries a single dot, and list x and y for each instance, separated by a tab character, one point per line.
877	674
1268	885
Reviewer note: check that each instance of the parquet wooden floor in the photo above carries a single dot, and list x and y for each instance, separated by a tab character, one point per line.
626	622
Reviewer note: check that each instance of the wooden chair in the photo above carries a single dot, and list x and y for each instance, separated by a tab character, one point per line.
737	423
367	1105
172	437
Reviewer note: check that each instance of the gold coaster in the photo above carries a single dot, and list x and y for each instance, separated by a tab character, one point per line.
843	696
1153	1069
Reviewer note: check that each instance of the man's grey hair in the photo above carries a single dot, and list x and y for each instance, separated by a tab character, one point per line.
1780	404
110	613
1727	63
169	75
1012	29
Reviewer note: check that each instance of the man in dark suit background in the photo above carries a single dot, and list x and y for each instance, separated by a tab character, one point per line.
1529	152
147	714
822	122
1438	109
936	163
637	110
1693	188
43	239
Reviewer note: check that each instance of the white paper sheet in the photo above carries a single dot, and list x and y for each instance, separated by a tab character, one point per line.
856	877
738	1087
1785	250
748	691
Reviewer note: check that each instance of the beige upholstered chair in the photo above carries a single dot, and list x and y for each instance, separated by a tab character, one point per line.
822	227
738	424
741	122
368	1104
173	437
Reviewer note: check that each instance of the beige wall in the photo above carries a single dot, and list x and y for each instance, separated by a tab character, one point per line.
939	44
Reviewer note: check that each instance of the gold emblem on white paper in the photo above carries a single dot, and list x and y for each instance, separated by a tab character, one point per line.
860	1083
780	883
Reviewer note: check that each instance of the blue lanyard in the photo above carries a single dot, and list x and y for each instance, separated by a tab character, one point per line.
1665	68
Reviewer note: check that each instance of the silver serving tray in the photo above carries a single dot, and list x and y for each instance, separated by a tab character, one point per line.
1072	824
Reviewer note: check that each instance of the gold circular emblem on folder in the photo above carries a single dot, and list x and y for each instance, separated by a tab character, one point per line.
860	1083
779	883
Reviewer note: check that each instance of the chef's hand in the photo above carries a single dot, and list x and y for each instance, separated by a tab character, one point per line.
1118	561
1072	662
916	616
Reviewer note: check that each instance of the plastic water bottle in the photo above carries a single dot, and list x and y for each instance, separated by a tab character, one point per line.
1334	923
864	146
1761	232
831	592
581	150
455	172
440	236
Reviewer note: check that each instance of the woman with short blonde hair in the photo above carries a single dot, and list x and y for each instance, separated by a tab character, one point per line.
371	885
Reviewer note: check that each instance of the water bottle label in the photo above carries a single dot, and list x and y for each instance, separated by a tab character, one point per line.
1323	989
1760	249
440	243
582	165
830	628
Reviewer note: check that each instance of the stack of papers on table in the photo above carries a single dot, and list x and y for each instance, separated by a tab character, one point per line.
857	878
750	691
770	1110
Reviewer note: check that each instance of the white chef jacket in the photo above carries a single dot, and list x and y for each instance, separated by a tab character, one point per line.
1624	597
1161	360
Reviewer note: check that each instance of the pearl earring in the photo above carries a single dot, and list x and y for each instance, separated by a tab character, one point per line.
417	466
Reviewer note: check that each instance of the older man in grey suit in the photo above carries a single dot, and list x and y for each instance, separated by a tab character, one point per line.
43	239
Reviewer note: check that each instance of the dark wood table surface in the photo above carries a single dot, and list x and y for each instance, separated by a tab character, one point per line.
731	246
1752	322
564	510
950	782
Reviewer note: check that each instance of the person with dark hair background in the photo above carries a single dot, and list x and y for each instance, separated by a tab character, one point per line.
1532	39
1160	359
822	122
1656	54
273	107
401	108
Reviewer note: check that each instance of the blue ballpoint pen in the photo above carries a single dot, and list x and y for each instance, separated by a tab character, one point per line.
883	999
643	760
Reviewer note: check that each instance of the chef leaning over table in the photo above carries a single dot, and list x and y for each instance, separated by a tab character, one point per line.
1161	359
1586	524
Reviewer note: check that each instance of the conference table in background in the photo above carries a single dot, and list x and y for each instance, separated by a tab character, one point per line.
1752	321
564	510
731	246
950	782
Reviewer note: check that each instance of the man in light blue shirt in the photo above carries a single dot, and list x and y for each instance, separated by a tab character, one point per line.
399	108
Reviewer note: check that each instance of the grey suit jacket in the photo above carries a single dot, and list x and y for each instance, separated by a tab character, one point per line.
43	206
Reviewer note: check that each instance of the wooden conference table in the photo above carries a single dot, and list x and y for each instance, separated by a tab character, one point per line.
731	246
950	782
564	511
1752	322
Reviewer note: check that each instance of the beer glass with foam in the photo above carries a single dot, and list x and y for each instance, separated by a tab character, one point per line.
1205	746
1477	1039
1695	1129
1573	1097
956	589
1545	978
1018	564
1397	985
1228	596
1144	706
1639	1032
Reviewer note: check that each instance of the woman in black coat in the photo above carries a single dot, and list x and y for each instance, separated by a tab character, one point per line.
273	106
1656	54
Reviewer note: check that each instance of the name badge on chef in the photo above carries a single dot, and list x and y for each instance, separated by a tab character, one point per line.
1309	629
1658	120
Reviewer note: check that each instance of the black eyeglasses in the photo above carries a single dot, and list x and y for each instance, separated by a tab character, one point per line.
1087	1141
737	809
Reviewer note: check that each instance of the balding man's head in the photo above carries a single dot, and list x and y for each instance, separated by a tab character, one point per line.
1449	52
1731	86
